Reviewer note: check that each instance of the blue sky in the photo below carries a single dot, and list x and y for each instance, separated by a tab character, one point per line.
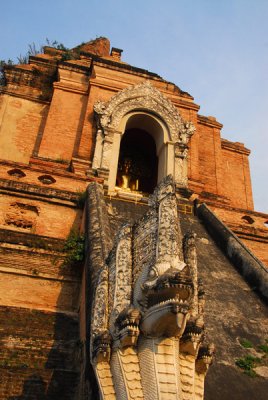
217	50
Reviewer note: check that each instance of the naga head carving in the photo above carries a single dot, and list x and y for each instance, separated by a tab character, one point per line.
167	301
102	347
148	308
127	324
163	270
204	358
193	335
149	284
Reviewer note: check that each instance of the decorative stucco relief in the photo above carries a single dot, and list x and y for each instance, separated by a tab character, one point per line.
120	277
147	98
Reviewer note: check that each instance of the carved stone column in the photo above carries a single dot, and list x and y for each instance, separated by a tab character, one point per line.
181	165
107	155
98	150
107	149
181	154
114	159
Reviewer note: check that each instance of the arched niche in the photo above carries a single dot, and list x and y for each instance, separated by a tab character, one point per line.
137	163
141	107
138	154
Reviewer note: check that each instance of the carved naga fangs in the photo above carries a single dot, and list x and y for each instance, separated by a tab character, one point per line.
147	323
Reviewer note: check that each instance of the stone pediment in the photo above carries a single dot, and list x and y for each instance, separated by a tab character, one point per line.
143	97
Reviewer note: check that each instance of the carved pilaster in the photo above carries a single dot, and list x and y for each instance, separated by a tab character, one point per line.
98	154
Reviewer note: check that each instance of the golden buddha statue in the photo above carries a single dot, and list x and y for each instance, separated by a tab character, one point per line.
125	178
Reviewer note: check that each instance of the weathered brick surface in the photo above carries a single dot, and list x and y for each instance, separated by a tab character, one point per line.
207	162
64	180
249	226
38	358
99	46
65	120
241	217
21	120
39	217
70	121
32	384
32	279
259	248
234	182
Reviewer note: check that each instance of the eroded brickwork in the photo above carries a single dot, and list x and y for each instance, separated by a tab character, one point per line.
39	354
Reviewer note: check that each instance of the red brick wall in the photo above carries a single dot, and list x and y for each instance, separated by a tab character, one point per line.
63	180
64	125
207	162
259	248
38	354
236	182
20	122
40	217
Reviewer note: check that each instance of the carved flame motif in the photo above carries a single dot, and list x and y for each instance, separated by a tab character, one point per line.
143	96
147	326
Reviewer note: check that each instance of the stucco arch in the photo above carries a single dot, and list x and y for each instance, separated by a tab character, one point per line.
150	122
145	104
159	132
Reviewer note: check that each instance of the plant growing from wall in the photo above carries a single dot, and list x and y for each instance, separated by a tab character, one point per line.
2	64
263	348
246	343
33	50
81	199
74	248
248	363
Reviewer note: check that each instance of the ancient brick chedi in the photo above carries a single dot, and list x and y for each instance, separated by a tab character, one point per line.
99	153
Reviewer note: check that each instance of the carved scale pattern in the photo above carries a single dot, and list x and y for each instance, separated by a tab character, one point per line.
131	370
148	369
105	381
165	354
199	386
144	233
119	379
168	234
187	372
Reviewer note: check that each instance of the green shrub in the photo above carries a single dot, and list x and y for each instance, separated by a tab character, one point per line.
263	347
246	343
74	248
247	364
81	199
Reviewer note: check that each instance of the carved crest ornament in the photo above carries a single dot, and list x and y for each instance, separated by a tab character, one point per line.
144	98
147	327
